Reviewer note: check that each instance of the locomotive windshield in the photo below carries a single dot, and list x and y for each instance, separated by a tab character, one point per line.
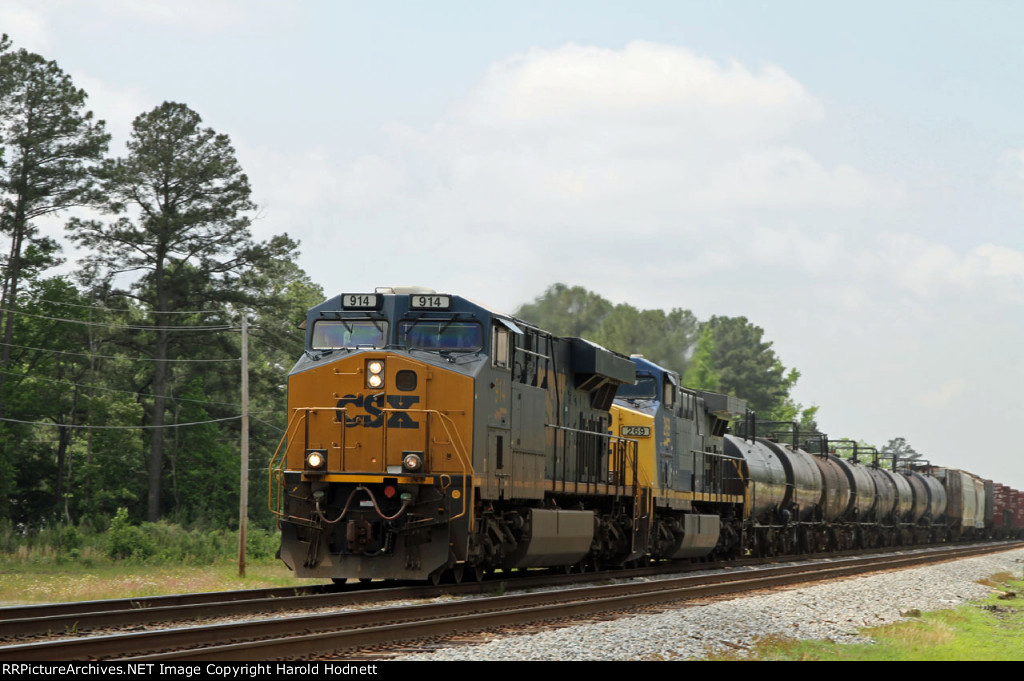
646	388
442	334
332	334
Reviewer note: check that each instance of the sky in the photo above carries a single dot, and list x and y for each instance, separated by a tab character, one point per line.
847	176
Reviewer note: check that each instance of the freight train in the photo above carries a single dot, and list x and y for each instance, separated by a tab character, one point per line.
431	437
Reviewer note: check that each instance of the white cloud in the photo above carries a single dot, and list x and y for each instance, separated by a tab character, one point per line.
785	176
999	261
934	271
643	84
570	143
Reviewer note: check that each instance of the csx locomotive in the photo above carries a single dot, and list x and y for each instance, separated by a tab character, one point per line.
430	437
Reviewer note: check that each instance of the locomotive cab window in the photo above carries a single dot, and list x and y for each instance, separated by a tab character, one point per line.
441	334
500	347
669	398
334	334
645	388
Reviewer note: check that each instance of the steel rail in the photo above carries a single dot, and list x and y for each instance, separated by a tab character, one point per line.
324	633
21	612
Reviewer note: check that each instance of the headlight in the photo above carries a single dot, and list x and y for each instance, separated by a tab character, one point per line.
412	462
374	373
316	460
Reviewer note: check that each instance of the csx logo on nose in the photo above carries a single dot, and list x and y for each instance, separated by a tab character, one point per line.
374	417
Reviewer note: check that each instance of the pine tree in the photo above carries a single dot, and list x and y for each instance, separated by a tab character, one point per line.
51	145
184	206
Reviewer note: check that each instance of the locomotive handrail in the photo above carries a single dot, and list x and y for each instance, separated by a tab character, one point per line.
609	440
723	458
630	448
275	468
457	445
720	455
300	414
274	472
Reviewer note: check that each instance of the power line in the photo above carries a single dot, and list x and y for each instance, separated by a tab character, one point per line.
167	425
130	359
221	327
268	425
125	309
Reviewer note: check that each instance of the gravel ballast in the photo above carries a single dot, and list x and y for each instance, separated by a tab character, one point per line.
832	610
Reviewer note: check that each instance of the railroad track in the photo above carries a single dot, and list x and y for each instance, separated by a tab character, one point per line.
72	619
64	619
56	618
305	636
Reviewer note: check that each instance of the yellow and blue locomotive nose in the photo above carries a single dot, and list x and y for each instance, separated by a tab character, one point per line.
370	457
374	415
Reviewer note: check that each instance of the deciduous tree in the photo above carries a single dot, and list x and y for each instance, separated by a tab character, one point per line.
900	448
747	366
567	311
701	373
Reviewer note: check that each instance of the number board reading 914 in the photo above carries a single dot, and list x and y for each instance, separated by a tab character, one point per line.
360	301
636	431
425	302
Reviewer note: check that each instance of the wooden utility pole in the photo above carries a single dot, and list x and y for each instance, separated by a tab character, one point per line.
243	501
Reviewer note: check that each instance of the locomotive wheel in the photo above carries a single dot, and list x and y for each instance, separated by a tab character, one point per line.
478	573
339	580
435	576
457	572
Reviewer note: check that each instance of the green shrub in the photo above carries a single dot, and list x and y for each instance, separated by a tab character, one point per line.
161	543
261	544
125	540
71	540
